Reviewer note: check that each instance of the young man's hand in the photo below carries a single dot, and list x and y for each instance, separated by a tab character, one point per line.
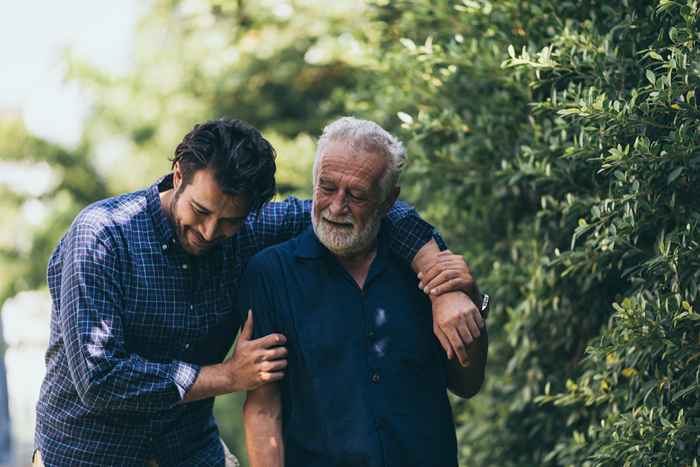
256	362
448	273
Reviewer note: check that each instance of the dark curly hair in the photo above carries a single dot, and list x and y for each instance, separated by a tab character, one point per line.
242	161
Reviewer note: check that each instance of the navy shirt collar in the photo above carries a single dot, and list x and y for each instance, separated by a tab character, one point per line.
310	247
163	225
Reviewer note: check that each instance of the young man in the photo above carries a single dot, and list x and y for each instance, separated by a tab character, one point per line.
143	288
366	380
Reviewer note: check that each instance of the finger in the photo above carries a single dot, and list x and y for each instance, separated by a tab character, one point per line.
268	377
453	285
466	337
275	353
271	340
444	341
444	263
247	331
442	278
458	344
275	365
472	325
431	271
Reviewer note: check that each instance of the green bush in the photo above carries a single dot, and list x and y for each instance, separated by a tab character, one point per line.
557	144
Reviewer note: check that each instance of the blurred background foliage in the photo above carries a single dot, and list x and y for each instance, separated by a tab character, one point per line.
554	143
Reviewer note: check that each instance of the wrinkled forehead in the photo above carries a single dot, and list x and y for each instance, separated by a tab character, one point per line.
339	159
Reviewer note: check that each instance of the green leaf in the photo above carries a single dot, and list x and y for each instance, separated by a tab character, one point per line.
674	174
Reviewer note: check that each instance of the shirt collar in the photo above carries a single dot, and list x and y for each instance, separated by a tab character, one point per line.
309	246
163	225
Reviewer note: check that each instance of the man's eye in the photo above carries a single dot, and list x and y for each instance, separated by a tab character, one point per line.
327	189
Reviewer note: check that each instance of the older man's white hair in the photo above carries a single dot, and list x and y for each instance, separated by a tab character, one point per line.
369	137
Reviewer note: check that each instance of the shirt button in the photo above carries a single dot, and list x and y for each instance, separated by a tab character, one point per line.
370	334
375	377
187	346
184	266
164	246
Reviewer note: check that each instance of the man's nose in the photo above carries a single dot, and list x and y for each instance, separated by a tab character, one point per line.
208	230
339	203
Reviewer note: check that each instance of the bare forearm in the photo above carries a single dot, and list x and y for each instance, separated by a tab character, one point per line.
466	381
262	419
212	381
425	256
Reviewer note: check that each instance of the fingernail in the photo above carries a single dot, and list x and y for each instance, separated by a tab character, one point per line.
420	285
420	275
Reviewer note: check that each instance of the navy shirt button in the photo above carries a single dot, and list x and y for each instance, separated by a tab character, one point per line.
375	377
187	346
370	334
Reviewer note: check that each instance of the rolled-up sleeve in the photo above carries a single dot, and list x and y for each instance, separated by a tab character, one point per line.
280	221
108	377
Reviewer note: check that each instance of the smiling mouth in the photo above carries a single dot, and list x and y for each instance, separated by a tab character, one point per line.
342	225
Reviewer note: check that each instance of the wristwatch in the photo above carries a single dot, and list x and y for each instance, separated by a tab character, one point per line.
485	302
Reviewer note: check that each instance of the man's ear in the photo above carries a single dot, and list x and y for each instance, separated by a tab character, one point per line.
391	199
177	175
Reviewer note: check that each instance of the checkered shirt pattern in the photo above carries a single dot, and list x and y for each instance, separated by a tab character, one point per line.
133	320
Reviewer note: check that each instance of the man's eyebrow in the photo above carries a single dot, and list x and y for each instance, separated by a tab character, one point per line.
199	206
207	211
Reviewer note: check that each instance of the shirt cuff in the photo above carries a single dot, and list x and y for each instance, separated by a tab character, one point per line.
439	240
184	375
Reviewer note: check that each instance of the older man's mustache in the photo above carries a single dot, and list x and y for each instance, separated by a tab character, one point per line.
347	219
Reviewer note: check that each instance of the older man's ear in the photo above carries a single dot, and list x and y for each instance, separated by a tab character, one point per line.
391	200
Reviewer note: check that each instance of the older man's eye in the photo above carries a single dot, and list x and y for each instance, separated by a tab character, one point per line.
356	197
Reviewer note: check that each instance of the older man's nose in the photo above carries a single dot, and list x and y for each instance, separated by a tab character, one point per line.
338	204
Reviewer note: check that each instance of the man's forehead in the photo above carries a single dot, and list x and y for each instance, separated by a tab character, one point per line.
206	193
340	158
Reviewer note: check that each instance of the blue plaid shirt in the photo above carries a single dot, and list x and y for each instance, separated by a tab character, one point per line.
134	318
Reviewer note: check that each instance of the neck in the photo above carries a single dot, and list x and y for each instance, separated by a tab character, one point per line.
358	264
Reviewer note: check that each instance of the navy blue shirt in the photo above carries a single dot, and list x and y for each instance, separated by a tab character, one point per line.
133	319
366	384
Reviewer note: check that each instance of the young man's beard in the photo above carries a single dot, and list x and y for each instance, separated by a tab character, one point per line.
180	230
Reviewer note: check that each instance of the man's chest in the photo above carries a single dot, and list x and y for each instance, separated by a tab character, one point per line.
333	325
180	307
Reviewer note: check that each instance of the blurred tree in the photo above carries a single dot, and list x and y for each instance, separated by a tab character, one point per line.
42	188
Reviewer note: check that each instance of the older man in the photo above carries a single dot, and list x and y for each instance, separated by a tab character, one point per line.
366	380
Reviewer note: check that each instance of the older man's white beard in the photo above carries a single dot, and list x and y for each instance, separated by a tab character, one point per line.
345	241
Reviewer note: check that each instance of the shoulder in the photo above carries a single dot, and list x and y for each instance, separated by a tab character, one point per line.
109	219
273	258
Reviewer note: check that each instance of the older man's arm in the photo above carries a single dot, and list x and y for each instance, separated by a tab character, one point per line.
447	280
262	421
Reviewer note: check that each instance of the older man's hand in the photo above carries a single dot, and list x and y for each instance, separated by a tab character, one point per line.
457	323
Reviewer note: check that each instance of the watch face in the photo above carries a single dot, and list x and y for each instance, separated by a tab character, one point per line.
485	299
